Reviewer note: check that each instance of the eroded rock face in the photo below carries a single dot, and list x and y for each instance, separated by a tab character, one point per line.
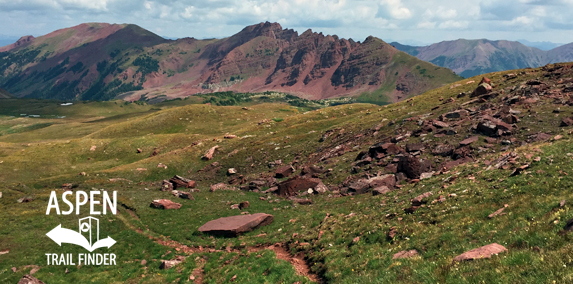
481	252
236	225
164	204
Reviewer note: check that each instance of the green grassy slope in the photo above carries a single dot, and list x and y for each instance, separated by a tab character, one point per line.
350	246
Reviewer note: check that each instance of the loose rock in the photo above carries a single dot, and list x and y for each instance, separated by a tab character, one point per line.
481	252
164	204
236	225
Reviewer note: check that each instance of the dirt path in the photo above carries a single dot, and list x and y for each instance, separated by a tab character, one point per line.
298	262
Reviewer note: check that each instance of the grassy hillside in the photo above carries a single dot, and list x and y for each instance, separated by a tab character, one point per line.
343	238
5	94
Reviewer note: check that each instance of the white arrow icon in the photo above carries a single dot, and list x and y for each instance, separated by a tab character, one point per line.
62	235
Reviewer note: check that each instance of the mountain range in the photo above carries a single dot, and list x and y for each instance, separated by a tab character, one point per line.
98	61
474	57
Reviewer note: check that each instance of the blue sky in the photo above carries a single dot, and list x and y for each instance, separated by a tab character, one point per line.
407	21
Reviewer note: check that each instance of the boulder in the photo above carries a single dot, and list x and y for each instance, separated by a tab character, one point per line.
391	168
244	205
284	171
456	114
421	199
220	186
312	171
440	124
210	153
166	264
482	89
443	150
566	122
414	147
166	185
164	204
297	184
384	180
155	153
360	186
380	190
469	141
185	195
413	167
485	80
405	254
179	181
236	225
379	150
29	279
481	252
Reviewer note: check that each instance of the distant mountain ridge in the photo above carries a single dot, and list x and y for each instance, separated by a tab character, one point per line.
98	61
474	57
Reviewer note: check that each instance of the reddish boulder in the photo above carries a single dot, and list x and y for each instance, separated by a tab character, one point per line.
297	184
220	186
451	164
360	186
179	181
210	153
312	171
379	150
414	147
440	124
166	185
244	205
566	122
236	225
443	150
385	180
164	204
405	254
421	199
380	190
469	141
391	168
482	89
481	252
284	171
413	167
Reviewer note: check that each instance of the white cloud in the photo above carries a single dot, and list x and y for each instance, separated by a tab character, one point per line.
397	10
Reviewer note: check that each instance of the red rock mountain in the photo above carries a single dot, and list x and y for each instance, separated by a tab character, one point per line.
103	61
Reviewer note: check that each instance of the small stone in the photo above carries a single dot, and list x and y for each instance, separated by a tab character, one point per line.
231	171
144	262
481	252
93	148
405	254
244	205
67	271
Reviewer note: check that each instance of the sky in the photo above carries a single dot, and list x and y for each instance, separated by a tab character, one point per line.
406	21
